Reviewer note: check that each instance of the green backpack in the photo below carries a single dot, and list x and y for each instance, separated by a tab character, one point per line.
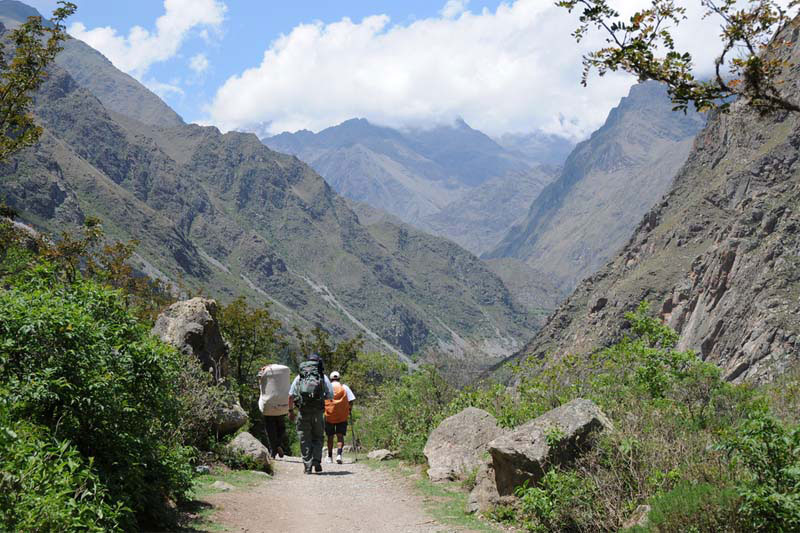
310	390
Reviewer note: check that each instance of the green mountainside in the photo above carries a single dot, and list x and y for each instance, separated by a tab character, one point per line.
718	258
225	215
452	180
608	182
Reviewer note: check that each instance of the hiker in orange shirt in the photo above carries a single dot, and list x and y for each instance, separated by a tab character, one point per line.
337	411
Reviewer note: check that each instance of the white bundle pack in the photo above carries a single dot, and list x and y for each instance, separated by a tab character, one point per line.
273	380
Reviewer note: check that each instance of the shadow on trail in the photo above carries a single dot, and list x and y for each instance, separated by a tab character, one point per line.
334	473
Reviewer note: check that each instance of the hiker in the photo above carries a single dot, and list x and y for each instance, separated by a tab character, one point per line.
273	382
308	393
337	411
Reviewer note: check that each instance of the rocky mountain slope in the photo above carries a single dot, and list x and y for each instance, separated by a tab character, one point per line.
608	182
718	257
452	181
226	215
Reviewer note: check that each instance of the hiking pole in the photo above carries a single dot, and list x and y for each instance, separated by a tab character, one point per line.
353	424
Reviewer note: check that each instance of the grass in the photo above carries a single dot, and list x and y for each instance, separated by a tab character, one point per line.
445	502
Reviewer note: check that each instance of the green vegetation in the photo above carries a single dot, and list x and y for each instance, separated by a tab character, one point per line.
747	66
681	434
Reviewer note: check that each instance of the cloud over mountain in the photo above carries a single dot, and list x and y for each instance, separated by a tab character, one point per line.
512	69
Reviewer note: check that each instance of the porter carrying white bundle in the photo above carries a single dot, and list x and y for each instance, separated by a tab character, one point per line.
274	383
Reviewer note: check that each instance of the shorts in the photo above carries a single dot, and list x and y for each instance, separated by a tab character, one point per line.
336	429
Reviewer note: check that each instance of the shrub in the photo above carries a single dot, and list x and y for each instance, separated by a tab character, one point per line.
693	508
562	502
46	485
769	452
406	412
74	362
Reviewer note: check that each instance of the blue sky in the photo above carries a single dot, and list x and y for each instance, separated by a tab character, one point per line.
276	65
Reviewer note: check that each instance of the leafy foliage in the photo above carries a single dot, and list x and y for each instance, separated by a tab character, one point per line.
46	485
36	44
749	52
74	362
335	356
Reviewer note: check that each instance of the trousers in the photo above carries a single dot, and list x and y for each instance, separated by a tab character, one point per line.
311	432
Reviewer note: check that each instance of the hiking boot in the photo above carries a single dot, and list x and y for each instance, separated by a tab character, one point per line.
338	458
280	452
317	468
306	469
329	460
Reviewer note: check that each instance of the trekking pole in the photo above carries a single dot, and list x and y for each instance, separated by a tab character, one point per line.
355	449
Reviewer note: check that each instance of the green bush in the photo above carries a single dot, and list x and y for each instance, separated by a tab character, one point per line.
769	453
562	501
46	485
406	412
74	362
693	508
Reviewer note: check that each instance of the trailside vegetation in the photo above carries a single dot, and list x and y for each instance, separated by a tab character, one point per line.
749	65
705	454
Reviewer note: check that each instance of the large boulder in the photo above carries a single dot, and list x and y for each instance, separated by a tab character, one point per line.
191	326
248	445
556	438
229	418
456	447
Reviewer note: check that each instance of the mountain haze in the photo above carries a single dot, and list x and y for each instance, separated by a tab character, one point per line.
226	215
608	182
452	180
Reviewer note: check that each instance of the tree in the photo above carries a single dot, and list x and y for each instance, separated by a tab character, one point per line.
334	356
36	45
748	67
255	340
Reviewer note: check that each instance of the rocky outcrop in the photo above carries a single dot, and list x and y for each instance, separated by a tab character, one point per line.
191	326
229	418
556	438
246	444
457	445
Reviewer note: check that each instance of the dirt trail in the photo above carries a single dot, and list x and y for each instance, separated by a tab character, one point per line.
342	499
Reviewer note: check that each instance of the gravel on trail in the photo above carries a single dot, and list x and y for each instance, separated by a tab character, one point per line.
342	499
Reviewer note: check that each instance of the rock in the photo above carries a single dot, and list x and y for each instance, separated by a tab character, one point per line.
247	444
380	455
222	486
203	469
524	454
191	326
638	518
484	495
229	418
455	448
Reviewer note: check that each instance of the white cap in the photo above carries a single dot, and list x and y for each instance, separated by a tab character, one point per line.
334	375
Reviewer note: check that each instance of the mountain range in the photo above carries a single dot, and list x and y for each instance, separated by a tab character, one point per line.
450	180
225	215
607	183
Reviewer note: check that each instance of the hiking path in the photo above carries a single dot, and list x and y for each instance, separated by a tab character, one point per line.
351	497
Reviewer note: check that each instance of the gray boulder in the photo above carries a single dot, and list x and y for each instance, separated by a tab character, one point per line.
228	418
380	455
191	326
525	454
247	444
456	447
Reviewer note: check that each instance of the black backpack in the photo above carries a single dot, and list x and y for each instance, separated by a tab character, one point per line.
310	390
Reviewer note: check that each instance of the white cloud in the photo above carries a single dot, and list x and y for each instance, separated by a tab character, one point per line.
199	63
513	69
454	8
141	48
